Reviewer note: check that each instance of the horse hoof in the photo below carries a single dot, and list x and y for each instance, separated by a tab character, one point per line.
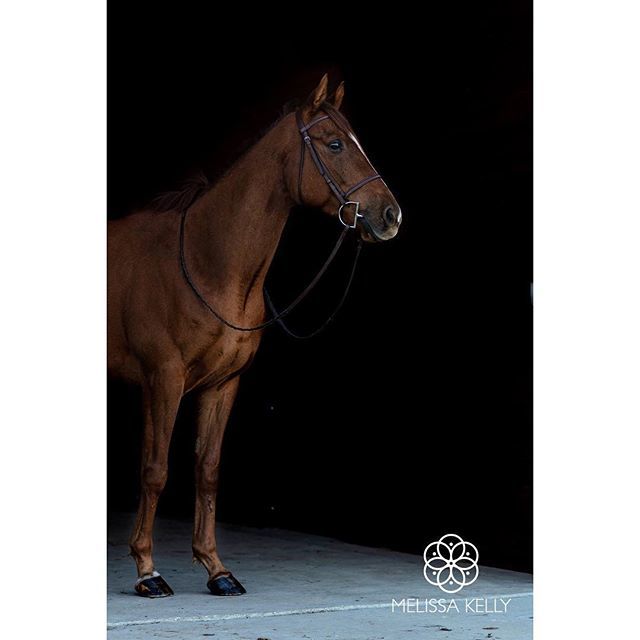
225	585
153	585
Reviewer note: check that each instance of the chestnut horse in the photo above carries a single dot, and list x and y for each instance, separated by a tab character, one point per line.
162	331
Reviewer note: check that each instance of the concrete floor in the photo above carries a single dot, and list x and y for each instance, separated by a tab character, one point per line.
303	586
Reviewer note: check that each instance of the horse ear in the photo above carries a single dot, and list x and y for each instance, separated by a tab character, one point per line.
338	96
318	95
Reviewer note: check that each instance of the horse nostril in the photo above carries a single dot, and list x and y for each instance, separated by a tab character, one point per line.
389	215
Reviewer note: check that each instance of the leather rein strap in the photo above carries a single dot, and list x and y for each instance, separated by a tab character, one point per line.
277	316
343	199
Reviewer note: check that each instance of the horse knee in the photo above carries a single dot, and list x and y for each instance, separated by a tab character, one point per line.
207	477
154	478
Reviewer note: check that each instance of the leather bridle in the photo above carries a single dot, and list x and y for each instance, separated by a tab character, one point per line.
343	199
323	170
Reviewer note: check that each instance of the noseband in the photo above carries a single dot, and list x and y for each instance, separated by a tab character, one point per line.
323	170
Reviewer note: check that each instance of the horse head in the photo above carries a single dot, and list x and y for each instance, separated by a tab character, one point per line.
334	173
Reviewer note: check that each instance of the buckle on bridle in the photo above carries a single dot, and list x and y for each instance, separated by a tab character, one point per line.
355	216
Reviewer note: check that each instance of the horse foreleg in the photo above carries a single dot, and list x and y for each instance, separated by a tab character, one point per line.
213	411
162	394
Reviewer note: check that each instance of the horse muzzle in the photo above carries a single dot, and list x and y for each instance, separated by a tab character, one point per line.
380	228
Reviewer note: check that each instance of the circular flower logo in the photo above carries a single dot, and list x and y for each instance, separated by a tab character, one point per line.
450	563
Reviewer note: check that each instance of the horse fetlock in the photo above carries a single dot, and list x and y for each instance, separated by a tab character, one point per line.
139	550
201	552
208	558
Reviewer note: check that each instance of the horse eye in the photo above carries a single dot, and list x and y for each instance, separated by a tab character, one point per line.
335	146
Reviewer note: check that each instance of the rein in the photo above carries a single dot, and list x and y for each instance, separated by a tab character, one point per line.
278	316
343	199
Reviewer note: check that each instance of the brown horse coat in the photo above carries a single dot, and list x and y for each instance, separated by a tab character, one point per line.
161	337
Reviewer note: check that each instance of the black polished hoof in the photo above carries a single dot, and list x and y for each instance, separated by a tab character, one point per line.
225	585
153	587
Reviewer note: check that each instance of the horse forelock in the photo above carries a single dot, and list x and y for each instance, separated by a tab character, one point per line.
337	117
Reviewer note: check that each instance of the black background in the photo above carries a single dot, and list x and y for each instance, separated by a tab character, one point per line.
411	416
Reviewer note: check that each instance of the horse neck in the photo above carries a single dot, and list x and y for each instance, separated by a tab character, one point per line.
233	231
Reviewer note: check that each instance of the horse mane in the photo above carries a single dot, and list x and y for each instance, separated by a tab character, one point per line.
182	198
196	186
193	188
